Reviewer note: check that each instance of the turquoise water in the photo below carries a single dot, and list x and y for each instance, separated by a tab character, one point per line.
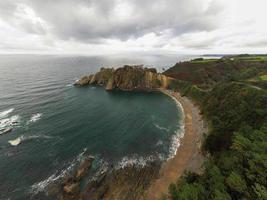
56	122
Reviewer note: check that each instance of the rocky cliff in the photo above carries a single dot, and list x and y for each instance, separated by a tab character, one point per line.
126	78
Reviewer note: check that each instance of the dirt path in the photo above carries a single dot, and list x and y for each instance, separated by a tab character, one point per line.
188	156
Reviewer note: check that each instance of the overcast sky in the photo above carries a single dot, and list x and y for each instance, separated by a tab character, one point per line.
116	26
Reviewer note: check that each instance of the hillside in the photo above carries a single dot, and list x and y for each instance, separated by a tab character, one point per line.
207	72
236	143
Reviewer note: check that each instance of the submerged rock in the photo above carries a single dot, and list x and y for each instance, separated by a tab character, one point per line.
126	78
70	189
83	169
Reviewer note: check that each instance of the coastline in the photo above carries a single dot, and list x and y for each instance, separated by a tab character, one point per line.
188	155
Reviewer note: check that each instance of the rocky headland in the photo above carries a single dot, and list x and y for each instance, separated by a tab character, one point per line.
126	78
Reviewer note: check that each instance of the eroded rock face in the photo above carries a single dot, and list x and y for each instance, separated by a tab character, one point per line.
71	186
82	170
127	78
128	183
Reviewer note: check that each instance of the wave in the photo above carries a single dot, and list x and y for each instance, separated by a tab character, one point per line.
70	85
139	161
35	117
58	175
161	127
179	134
159	143
15	142
9	122
22	138
176	141
6	112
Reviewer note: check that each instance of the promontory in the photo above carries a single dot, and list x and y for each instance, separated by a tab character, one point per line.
126	78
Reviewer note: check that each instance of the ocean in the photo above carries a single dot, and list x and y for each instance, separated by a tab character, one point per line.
54	124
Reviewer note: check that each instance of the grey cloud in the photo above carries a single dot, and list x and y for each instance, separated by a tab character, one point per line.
95	20
11	11
258	43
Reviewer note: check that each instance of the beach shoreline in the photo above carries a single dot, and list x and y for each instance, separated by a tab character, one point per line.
188	156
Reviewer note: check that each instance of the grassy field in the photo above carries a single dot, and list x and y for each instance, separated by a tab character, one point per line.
252	58
205	60
263	77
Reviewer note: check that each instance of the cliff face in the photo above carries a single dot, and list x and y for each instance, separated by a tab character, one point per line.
126	78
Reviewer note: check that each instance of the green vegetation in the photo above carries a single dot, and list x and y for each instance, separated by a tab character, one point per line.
186	89
263	77
237	140
251	58
237	143
205	73
201	60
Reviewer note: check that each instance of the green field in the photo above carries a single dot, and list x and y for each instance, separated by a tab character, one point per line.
263	77
205	60
252	58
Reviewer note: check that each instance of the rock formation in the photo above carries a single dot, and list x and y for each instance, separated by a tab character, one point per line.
71	186
126	78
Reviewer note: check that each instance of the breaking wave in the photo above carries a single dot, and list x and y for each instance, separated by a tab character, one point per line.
139	161
161	128
179	134
70	85
35	117
58	175
22	138
6	112
9	122
176	141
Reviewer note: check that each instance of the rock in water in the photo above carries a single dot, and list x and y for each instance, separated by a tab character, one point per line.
84	80
82	170
15	142
127	78
70	189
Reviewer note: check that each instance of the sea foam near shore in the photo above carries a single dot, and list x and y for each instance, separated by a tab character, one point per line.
58	175
22	138
6	112
179	134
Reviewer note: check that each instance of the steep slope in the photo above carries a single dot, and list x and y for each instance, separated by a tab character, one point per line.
206	72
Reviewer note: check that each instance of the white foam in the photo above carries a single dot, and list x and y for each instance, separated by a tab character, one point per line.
159	143
70	84
42	185
161	127
34	118
102	168
16	142
9	122
22	138
176	141
138	161
179	134
6	112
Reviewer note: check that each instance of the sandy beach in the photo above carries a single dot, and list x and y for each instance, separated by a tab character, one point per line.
188	155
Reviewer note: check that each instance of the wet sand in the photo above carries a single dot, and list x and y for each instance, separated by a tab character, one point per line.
188	155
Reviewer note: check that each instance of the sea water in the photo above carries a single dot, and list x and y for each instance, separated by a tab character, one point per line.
54	123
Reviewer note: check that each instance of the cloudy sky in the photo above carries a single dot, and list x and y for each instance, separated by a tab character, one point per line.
116	26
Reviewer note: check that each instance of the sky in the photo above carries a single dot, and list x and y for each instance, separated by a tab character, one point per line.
98	27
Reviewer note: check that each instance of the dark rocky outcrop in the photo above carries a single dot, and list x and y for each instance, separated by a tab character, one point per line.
128	183
71	186
127	78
